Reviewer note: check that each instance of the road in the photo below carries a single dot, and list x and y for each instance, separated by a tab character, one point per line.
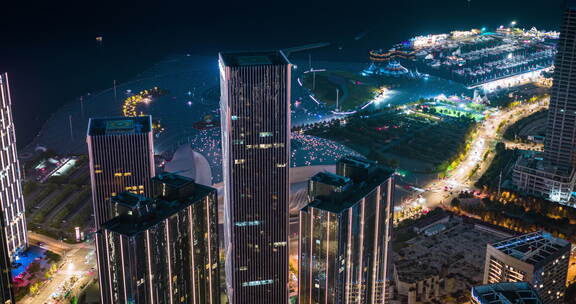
488	135
51	244
78	261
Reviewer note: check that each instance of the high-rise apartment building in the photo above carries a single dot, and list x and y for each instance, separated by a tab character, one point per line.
6	292
163	249
121	157
255	115
11	196
554	176
505	293
345	234
537	258
560	143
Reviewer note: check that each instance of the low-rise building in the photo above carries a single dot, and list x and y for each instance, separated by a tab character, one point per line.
444	260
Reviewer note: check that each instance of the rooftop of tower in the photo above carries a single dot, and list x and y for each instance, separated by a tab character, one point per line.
119	125
504	293
237	59
152	211
534	248
353	191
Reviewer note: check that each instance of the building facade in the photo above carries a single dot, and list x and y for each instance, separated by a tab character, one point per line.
121	152
163	249
537	258
255	115
11	196
554	176
345	233
505	293
121	156
6	292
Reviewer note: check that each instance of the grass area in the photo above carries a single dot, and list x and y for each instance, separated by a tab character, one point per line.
354	90
455	112
366	134
45	192
443	144
29	187
83	218
513	131
82	196
39	216
403	135
501	161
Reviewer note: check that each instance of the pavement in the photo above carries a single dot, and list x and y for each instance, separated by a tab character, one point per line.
78	260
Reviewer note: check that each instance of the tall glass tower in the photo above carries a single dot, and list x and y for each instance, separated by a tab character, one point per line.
554	175
6	292
345	232
11	197
121	156
560	145
255	114
163	249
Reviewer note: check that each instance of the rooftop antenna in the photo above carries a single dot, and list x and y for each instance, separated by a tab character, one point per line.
310	61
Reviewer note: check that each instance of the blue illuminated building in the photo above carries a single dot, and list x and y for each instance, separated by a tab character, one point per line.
537	258
505	293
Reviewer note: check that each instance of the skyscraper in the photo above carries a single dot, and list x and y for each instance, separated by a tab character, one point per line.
345	232
121	159
121	155
11	196
537	258
6	292
560	144
255	114
554	176
163	249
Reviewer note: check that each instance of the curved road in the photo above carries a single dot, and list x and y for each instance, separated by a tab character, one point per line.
486	138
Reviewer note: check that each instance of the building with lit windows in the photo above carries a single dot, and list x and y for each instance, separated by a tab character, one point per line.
553	176
163	249
121	159
345	232
11	196
6	292
255	120
537	258
505	293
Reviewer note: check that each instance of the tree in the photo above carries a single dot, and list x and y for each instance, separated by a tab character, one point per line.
34	288
51	271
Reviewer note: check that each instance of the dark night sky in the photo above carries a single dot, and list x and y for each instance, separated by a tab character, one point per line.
49	49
